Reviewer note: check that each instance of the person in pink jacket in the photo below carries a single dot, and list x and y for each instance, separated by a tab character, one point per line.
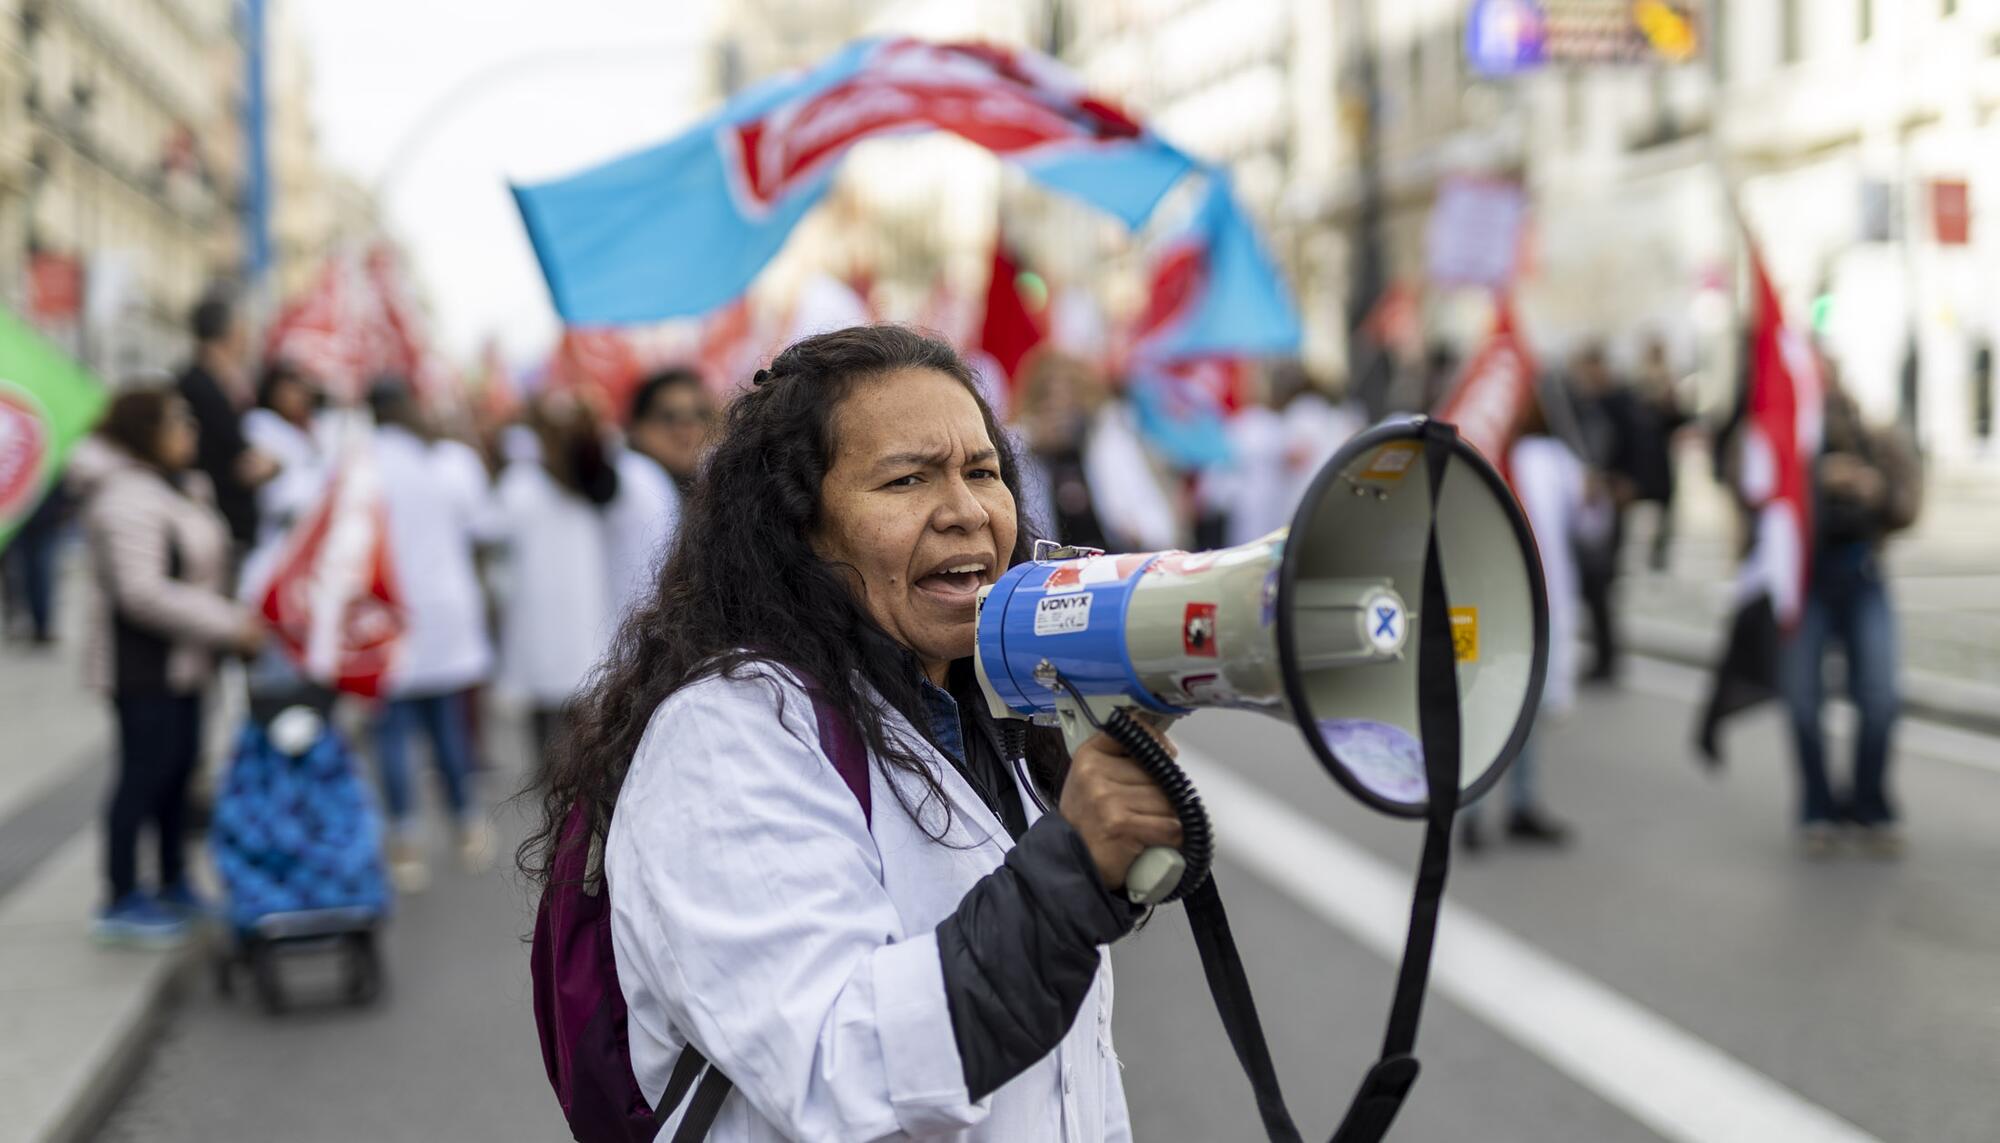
160	559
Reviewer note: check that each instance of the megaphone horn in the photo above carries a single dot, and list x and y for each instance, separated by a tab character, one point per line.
1311	623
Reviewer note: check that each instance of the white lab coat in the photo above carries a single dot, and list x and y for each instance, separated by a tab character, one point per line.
754	910
556	617
1315	428
434	516
641	523
1550	481
302	456
1256	487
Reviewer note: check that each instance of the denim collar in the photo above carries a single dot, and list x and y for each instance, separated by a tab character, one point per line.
942	713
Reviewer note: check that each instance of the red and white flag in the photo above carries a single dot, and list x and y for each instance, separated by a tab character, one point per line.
332	601
1494	391
1781	437
1783	419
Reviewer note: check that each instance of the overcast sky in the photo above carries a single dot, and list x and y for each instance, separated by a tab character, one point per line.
474	94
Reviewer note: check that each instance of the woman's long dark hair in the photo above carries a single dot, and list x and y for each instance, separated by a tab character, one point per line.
743	585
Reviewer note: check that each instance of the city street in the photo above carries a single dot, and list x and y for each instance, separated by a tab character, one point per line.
1686	973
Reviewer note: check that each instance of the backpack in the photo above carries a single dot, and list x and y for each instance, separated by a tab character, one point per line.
580	1008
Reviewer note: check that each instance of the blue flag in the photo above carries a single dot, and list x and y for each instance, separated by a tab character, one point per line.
683	227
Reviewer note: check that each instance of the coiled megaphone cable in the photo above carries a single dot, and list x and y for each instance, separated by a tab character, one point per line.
1197	846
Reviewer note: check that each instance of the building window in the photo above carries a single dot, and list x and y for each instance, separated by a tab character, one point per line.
1790	32
1950	8
1867	20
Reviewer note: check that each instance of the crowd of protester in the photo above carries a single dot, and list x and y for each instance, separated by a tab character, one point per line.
535	538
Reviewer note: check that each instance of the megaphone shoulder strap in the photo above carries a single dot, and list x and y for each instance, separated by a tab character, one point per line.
1388	1083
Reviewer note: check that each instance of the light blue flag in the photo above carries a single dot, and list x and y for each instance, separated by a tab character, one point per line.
683	227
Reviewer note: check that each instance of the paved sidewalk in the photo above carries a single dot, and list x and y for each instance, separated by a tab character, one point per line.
77	1017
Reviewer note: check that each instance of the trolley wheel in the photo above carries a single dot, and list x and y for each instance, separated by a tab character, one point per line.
363	967
264	974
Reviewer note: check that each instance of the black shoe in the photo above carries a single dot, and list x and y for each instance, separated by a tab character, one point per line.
1533	827
1470	838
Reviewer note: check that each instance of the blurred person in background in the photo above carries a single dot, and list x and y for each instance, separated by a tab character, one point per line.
1867	485
1252	488
160	563
283	427
435	518
29	567
1565	510
556	618
1657	419
216	385
1059	398
1607	414
1316	426
669	418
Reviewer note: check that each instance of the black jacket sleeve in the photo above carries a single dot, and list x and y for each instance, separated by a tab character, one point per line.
1020	952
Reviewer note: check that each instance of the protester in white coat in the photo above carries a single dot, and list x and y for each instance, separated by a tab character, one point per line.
933	965
1554	488
670	415
557	618
435	519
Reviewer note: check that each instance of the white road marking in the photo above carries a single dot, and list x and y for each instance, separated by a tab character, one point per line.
1678	1085
1914	736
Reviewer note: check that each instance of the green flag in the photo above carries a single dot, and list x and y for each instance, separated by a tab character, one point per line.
47	401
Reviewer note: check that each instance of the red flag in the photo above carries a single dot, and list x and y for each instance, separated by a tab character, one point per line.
1781	438
1494	391
1008	330
332	601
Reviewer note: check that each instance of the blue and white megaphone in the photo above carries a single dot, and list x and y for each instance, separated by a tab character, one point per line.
1317	623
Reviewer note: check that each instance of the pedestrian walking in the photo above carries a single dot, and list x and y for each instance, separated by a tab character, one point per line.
1060	396
1867	486
436	516
1657	419
160	564
914	948
556	619
216	386
29	565
284	426
1607	413
1565	512
670	416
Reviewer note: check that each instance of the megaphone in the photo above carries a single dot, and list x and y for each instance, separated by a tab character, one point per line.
1313	623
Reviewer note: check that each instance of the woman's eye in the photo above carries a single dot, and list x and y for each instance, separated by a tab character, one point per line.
909	481
984	474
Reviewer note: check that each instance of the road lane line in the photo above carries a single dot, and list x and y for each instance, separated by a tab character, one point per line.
1680	1086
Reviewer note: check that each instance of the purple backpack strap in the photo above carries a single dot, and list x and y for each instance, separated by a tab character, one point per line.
842	745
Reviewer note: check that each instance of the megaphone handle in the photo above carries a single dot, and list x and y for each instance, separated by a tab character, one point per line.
1161	873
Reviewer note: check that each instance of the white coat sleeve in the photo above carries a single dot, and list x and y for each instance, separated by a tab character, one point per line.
749	917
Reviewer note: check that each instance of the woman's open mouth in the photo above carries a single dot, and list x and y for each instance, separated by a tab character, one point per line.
956	583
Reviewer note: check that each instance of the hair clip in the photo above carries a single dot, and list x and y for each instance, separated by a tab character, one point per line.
760	377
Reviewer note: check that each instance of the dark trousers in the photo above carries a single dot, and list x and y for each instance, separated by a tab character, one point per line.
159	742
1597	572
1848	601
31	575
